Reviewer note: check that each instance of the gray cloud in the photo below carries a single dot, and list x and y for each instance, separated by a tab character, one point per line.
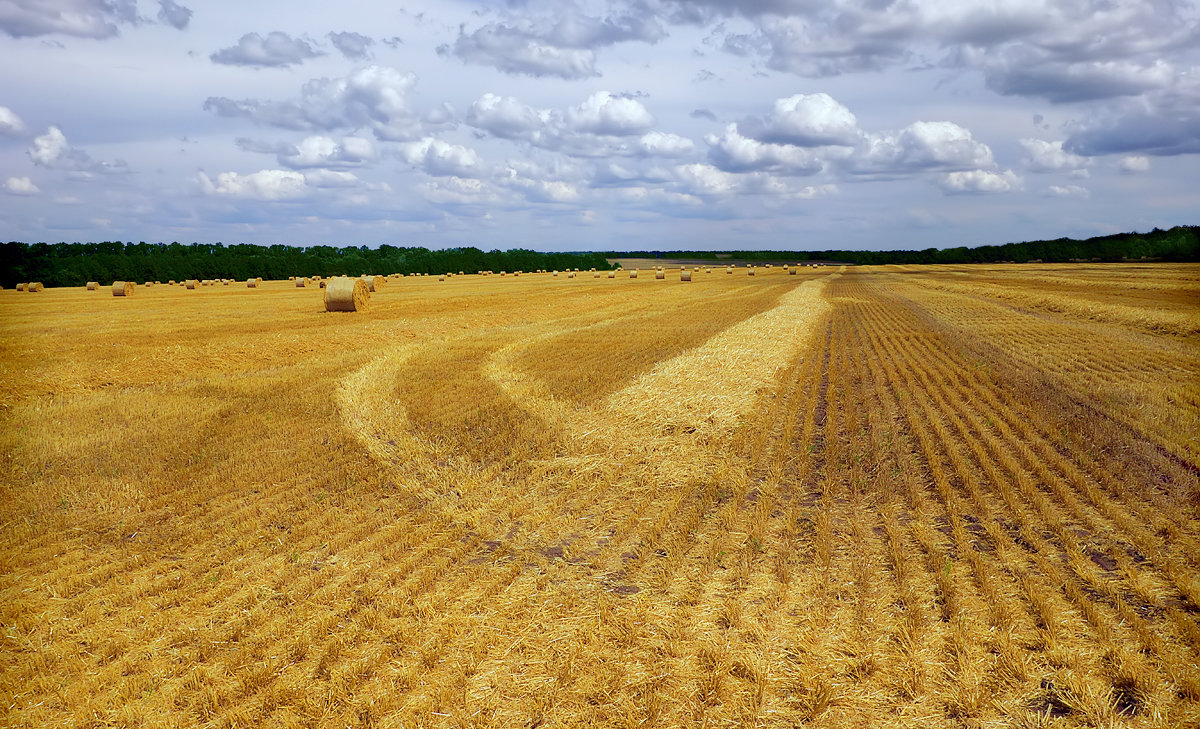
79	18
174	14
1162	125
353	46
732	152
375	97
562	47
277	49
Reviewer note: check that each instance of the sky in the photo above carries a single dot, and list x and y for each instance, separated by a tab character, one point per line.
605	125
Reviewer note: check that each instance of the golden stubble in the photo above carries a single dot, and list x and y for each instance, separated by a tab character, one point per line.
874	497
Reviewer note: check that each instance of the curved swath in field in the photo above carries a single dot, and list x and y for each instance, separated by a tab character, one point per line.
696	396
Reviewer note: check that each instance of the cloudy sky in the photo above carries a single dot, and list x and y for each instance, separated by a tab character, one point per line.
626	124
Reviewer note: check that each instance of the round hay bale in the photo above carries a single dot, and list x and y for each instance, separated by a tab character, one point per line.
570	274
291	278
148	284
750	271
633	273
251	283
93	286
460	273
123	288
321	283
685	274
595	273
660	274
729	269
556	274
21	286
301	282
374	283
35	286
442	277
792	271
258	279
347	294
612	274
171	282
226	282
192	283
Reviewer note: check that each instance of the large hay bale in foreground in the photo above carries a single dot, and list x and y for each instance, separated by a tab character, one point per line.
347	294
192	283
93	286
123	288
35	286
685	275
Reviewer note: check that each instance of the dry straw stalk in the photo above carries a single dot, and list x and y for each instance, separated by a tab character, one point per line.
347	294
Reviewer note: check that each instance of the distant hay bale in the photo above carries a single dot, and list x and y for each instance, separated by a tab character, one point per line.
192	283
93	286
171	282
226	282
347	294
595	273
35	286
123	288
321	283
570	274
612	274
660	274
633	273
442	277
708	270
251	283
258	279
21	286
792	271
291	278
685	275
556	274
460	273
729	269
301	282
750	271
374	283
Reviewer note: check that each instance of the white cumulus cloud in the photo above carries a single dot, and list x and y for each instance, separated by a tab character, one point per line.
20	186
1043	156
604	113
266	185
979	181
1134	164
11	124
319	151
806	120
442	159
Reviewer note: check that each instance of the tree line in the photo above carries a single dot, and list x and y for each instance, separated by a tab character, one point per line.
1181	243
74	264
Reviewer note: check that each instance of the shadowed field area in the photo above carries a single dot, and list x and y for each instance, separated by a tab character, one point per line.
948	496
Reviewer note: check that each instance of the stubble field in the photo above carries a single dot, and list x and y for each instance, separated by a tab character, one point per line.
882	496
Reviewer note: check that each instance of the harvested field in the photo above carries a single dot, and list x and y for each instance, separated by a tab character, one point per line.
882	496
